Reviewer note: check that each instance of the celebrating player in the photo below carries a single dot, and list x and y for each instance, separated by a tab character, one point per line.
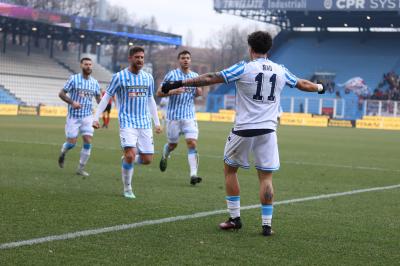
259	84
181	116
134	89
81	88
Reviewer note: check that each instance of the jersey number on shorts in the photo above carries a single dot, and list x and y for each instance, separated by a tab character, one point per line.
259	79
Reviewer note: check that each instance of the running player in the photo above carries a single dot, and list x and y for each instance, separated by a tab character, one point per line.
259	84
181	116
134	89
81	89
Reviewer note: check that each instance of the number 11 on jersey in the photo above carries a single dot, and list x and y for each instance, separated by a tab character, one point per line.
260	79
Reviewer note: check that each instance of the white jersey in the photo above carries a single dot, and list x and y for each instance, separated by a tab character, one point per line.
259	84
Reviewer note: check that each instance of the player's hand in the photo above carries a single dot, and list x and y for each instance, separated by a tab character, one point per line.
158	129
76	105
96	124
321	89
170	85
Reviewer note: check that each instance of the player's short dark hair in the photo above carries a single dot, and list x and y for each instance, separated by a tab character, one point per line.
135	49
85	59
260	42
183	53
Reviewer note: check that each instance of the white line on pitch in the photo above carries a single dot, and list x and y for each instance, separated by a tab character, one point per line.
221	157
121	227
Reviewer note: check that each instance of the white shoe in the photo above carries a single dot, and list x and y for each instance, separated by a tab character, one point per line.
129	194
82	172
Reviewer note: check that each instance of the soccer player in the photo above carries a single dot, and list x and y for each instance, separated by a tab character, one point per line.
181	116
259	84
107	111
81	89
134	89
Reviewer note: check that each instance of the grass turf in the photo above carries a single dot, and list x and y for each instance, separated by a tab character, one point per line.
39	199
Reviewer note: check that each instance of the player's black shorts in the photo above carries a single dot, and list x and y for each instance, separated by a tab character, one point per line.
108	108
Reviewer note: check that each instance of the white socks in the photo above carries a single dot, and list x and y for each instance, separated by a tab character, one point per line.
193	160
85	154
127	173
233	204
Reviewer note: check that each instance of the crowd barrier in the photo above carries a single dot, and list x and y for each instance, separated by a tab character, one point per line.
290	119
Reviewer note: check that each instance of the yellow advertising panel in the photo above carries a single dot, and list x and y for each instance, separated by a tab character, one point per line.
225	111
53	111
203	116
218	117
304	121
372	124
391	125
27	110
340	123
378	124
378	118
8	109
114	113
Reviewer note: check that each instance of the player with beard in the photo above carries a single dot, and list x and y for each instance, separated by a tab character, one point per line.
81	88
134	89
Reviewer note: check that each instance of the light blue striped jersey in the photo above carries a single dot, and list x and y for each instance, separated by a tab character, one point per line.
133	92
181	106
259	84
81	90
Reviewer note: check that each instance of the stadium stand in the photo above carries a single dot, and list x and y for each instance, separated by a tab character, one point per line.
34	79
70	60
6	97
347	55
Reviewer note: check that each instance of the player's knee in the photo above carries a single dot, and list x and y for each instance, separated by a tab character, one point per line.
191	143
72	140
147	159
129	156
172	146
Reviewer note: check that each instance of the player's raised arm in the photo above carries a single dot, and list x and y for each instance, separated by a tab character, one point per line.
202	80
305	85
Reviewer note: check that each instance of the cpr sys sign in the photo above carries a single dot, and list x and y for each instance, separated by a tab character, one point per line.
362	4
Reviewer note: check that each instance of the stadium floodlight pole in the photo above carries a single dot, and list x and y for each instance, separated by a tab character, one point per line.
28	52
4	40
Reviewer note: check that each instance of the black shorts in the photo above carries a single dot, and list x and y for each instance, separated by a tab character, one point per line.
108	108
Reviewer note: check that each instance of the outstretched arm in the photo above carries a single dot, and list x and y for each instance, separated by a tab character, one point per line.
305	85
202	80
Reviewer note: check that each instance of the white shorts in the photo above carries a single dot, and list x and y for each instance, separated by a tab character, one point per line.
264	149
139	138
76	126
175	128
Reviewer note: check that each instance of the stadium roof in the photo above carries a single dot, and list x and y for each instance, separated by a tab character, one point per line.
57	25
313	13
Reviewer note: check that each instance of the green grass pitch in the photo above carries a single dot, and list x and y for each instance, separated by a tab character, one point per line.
38	199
